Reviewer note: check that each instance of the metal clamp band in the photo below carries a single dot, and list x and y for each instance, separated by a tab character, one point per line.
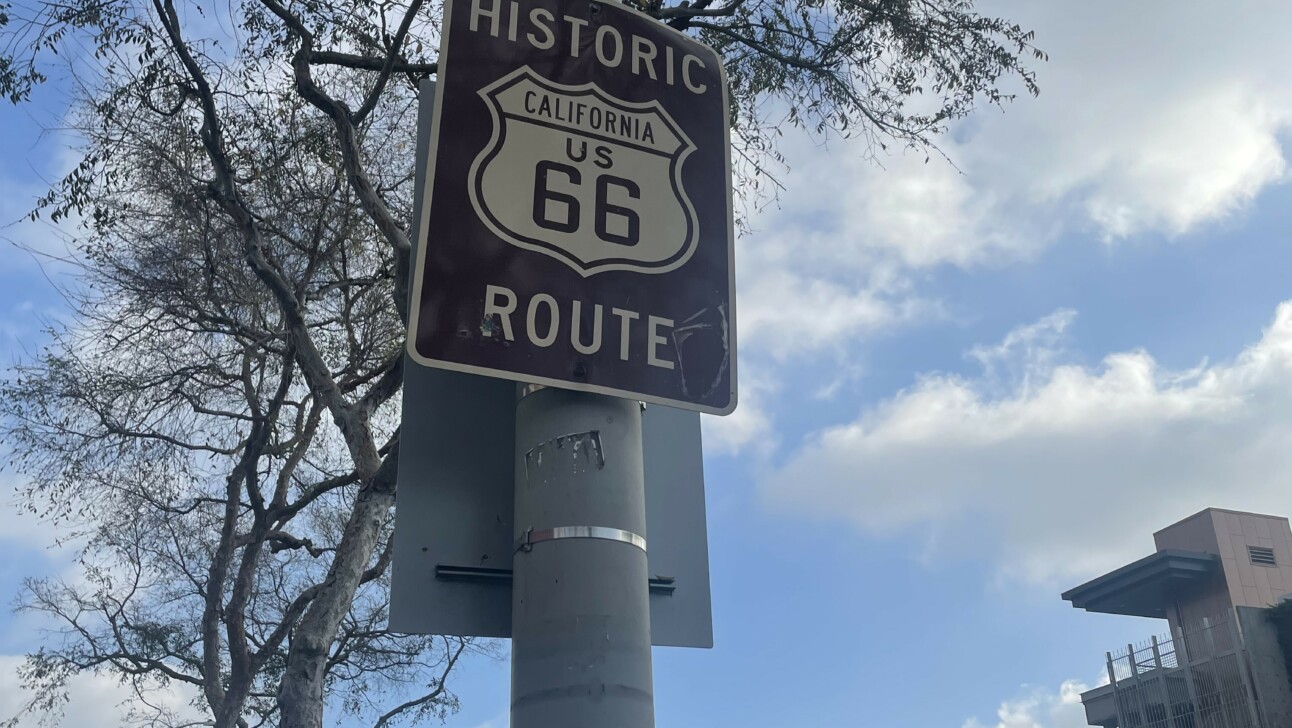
538	535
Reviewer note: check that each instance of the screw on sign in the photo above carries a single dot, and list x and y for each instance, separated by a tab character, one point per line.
579	226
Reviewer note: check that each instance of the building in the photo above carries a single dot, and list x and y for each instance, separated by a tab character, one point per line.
1217	664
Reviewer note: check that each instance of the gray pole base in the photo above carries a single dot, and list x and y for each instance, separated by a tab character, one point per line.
581	645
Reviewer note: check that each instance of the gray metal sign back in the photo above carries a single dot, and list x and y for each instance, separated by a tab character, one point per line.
453	520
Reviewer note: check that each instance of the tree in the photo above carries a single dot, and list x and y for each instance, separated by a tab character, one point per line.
176	421
220	419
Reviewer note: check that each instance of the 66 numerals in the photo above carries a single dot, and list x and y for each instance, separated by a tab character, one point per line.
558	207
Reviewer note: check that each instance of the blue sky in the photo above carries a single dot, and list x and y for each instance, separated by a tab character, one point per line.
964	388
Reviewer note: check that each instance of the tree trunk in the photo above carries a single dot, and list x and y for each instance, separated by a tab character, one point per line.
300	695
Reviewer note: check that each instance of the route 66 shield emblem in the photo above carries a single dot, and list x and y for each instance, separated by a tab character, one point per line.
599	186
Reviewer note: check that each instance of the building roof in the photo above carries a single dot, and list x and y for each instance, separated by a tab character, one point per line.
1144	588
1209	511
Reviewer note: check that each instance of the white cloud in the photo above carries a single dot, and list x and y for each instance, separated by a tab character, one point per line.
17	526
20	528
97	701
1027	353
788	314
1058	470
25	242
843	211
1155	118
18	326
750	422
1040	708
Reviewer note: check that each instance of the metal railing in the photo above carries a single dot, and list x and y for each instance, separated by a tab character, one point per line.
1197	677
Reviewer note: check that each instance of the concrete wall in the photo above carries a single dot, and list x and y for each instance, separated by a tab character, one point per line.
1269	672
1227	534
1210	601
1251	585
1195	533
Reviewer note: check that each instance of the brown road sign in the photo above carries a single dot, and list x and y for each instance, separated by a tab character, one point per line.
580	230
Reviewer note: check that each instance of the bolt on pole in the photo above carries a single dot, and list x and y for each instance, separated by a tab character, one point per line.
581	642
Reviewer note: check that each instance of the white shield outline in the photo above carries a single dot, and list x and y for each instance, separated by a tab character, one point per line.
586	269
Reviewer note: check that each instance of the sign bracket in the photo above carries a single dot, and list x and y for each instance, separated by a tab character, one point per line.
665	585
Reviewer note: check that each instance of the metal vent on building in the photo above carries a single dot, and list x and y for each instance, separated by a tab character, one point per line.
1261	556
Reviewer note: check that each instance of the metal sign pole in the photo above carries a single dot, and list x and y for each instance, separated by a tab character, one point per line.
581	642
